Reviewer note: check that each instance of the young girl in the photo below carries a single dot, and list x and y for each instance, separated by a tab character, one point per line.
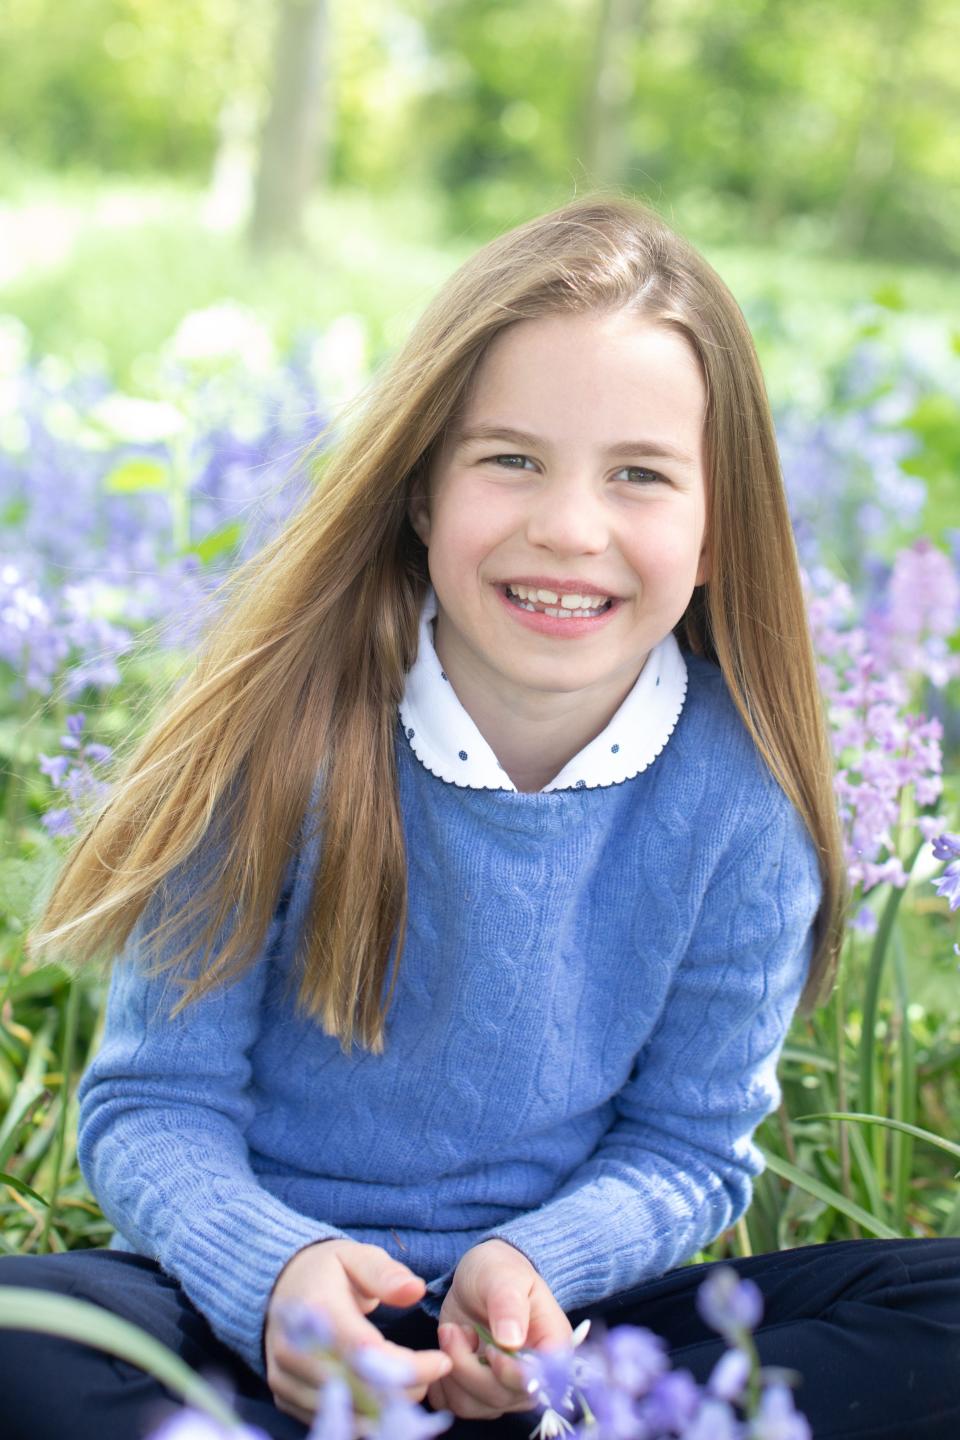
520	711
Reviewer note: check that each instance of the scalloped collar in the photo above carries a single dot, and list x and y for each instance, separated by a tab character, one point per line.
447	742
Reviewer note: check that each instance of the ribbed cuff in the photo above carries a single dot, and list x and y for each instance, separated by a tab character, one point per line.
229	1259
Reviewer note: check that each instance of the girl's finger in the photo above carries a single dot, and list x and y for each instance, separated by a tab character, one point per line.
471	1382
507	1371
297	1396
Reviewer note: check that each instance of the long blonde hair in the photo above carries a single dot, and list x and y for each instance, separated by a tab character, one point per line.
301	673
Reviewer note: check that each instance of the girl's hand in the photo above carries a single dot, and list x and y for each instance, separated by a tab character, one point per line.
346	1279
494	1284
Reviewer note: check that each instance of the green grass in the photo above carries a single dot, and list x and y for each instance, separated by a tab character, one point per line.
103	269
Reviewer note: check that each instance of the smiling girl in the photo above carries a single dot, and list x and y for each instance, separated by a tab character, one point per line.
519	713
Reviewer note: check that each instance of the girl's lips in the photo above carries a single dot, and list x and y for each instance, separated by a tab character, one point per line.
550	624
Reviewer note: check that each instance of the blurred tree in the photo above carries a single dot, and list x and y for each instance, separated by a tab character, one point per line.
293	148
831	124
611	87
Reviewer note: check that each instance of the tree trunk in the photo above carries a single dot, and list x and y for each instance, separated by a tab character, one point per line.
293	136
609	88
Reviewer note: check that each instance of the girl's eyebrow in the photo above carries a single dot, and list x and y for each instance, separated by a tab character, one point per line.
523	437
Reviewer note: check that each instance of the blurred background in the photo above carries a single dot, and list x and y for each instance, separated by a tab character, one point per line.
157	156
218	217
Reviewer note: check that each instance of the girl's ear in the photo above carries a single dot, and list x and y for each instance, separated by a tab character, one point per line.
418	512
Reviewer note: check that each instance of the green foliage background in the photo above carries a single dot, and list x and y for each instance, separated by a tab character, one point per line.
750	119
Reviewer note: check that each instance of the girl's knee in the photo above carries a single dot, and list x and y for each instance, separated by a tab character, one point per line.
35	1272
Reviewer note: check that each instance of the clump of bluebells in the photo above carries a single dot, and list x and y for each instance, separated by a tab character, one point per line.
618	1387
72	774
880	745
947	847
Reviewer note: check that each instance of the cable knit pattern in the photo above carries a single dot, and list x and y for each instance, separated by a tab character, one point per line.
593	996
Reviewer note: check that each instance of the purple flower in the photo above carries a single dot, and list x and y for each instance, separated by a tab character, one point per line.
305	1327
59	822
880	747
635	1357
777	1419
730	1375
334	1416
617	1415
191	1424
55	766
865	921
728	1304
97	753
948	886
381	1368
399	1420
551	1375
672	1402
946	847
714	1421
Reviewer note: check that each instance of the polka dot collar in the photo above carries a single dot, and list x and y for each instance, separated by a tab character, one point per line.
447	742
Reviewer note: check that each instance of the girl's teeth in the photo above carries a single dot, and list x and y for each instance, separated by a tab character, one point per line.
550	597
523	597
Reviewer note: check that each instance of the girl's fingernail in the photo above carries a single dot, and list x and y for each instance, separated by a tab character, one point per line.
507	1333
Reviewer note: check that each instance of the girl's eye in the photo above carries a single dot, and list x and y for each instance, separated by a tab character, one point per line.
635	470
506	460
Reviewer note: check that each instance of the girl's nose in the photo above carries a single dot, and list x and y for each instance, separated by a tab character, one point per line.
568	517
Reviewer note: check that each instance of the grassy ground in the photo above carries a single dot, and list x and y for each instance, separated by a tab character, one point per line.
102	269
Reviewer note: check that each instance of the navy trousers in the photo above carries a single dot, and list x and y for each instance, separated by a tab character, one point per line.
872	1326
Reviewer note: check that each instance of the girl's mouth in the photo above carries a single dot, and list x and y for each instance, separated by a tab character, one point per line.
558	607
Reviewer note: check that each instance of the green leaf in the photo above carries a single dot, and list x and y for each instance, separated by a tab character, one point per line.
133	476
43	981
941	1144
889	295
11	515
828	1195
26	1097
26	1309
871	994
951	1226
218	542
21	1186
19	880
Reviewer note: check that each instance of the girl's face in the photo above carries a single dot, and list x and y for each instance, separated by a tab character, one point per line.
577	470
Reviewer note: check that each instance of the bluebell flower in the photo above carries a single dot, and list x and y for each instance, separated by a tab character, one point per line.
55	766
189	1424
616	1416
334	1419
729	1376
728	1304
399	1420
672	1403
948	886
381	1368
635	1357
776	1418
305	1327
58	822
714	1421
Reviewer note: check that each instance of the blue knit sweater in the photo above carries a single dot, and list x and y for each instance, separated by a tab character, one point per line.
593	996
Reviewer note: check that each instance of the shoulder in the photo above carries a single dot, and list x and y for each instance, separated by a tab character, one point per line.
716	756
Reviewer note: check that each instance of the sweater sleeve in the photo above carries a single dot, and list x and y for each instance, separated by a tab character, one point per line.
676	1166
164	1106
